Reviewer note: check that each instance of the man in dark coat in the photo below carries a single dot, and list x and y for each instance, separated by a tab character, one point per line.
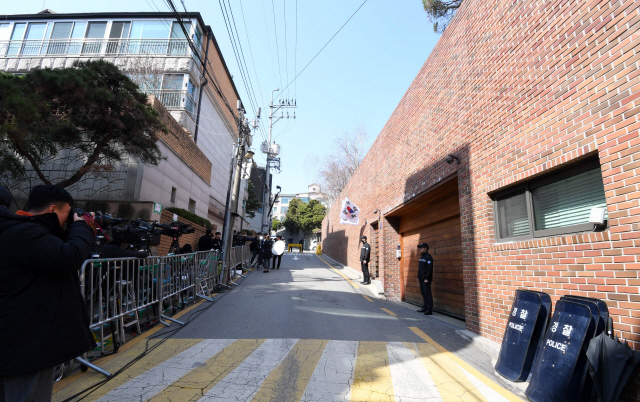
266	253
206	242
365	257
255	248
217	242
425	278
43	318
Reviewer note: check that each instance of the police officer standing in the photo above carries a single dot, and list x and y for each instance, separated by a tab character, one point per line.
365	257
425	278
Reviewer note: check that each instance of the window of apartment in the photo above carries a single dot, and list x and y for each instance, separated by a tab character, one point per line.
558	203
285	200
95	31
192	206
178	43
284	210
5	35
173	195
304	199
5	31
149	30
173	81
119	30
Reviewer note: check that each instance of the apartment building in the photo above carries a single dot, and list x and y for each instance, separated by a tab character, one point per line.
177	61
281	204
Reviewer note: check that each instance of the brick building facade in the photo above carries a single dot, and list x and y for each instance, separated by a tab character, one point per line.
527	95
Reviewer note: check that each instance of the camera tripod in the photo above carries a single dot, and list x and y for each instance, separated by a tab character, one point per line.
175	246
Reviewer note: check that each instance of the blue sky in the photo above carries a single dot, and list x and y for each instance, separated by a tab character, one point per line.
358	79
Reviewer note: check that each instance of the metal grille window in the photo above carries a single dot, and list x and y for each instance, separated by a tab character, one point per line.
556	204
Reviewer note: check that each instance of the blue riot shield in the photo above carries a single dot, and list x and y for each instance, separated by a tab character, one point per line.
585	384
523	334
558	371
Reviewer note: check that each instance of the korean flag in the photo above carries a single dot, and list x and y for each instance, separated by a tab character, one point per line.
350	213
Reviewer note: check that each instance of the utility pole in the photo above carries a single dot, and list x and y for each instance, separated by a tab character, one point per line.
273	150
231	209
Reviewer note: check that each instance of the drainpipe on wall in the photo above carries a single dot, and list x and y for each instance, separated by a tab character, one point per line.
204	71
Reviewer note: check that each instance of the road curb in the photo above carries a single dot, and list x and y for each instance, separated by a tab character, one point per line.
352	274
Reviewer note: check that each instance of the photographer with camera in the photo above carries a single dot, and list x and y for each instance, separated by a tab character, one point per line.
44	318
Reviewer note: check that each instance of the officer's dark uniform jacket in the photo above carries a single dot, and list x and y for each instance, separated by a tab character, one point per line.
425	268
365	252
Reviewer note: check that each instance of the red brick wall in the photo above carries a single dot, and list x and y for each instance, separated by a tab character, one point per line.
191	238
517	89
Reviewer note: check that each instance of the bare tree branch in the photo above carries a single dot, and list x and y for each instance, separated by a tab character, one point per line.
335	170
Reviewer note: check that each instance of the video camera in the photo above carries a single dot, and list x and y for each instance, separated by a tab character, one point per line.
138	234
239	240
174	229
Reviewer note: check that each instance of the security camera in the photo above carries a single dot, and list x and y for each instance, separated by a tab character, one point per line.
451	158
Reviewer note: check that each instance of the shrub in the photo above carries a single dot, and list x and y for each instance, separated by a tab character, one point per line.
190	216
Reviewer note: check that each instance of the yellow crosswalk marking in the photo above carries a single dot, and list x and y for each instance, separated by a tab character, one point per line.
289	380
188	369
200	380
372	378
503	392
451	382
169	349
75	377
86	380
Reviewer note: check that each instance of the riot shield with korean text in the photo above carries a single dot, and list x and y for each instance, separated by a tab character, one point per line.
523	335
558	371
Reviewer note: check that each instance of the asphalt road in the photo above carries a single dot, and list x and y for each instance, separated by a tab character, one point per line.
304	332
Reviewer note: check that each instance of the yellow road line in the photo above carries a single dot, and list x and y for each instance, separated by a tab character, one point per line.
288	381
368	298
389	312
453	385
339	273
466	366
102	361
372	377
169	349
200	380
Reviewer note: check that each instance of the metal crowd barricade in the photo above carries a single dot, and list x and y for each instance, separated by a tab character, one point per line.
116	288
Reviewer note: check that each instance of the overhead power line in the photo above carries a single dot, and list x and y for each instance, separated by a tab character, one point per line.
320	51
275	29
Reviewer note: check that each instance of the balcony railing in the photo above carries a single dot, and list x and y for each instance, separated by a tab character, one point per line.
175	100
95	47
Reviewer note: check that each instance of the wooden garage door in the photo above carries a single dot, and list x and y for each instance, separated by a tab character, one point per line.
441	214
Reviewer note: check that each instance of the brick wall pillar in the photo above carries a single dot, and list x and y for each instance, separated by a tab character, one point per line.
390	268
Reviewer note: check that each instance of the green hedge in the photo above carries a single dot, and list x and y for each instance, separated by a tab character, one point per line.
190	216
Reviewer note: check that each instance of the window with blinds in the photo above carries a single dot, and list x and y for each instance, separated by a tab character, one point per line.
513	217
568	202
558	203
